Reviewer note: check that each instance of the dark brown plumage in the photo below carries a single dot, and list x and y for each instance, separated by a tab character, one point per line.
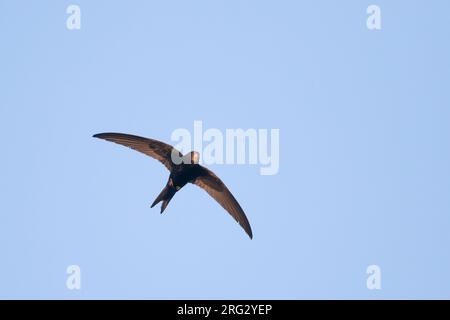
183	169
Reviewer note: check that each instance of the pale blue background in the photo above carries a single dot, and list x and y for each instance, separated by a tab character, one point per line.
364	174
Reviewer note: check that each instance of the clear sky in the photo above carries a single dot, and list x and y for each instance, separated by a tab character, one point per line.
364	173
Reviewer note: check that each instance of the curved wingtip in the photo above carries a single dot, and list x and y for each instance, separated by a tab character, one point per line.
98	135
250	234
248	230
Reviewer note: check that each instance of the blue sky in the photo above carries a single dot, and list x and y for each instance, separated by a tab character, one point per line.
364	148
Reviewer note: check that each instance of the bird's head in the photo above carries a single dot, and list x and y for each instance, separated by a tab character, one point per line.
194	157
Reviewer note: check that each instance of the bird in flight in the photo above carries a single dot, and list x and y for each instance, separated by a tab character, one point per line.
183	169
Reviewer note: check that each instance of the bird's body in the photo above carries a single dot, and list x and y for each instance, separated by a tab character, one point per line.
180	175
184	173
183	170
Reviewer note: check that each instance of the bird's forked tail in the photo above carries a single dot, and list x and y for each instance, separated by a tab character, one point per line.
165	196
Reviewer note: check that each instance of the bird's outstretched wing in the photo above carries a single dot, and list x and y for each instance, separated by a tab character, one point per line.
153	148
208	181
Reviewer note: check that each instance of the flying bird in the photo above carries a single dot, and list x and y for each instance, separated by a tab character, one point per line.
183	170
